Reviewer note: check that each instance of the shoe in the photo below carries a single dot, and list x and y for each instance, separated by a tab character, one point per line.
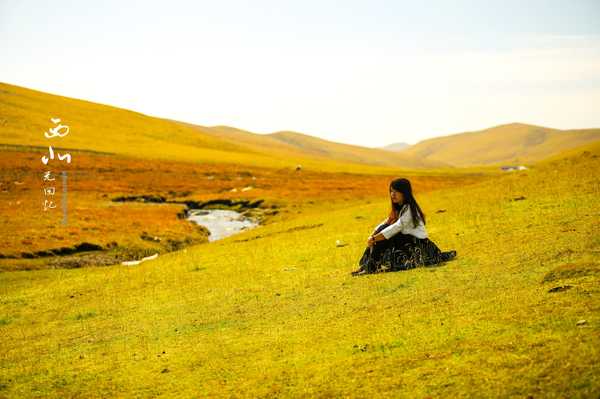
359	272
384	268
446	256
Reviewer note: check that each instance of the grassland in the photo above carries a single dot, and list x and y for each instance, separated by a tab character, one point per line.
120	230
25	116
120	153
274	312
504	144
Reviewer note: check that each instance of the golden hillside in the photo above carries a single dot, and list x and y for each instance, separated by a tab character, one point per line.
25	115
510	143
294	144
574	154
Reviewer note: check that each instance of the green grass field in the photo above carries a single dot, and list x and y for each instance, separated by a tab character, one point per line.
280	315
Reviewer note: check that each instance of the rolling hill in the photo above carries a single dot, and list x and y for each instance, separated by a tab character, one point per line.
25	114
299	144
396	147
510	143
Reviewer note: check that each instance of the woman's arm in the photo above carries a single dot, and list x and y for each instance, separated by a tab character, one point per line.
374	238
395	227
379	225
378	237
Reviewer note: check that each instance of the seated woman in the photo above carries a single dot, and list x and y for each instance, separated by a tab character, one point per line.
400	241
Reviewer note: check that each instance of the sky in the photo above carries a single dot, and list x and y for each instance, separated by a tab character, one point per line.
368	72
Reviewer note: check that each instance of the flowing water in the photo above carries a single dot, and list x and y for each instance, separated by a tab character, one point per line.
221	222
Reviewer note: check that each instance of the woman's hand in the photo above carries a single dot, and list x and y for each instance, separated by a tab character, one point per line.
371	241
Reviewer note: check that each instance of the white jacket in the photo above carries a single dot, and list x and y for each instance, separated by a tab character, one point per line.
403	225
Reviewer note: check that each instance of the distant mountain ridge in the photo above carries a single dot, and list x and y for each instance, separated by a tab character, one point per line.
26	113
395	146
508	143
295	144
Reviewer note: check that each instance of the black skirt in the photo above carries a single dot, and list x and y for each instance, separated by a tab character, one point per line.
402	252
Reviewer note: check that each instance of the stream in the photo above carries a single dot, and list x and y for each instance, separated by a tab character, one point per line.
221	222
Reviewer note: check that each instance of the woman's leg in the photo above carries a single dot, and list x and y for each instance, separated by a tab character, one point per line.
405	253
372	255
432	253
377	251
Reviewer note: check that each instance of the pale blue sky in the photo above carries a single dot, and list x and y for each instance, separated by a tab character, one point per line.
359	72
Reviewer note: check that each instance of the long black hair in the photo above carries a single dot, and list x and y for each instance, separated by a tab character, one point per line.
403	185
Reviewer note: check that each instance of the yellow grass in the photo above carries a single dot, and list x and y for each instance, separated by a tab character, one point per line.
94	180
280	316
504	144
293	144
25	116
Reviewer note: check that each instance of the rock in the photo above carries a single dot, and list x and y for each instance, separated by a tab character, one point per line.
560	288
145	236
